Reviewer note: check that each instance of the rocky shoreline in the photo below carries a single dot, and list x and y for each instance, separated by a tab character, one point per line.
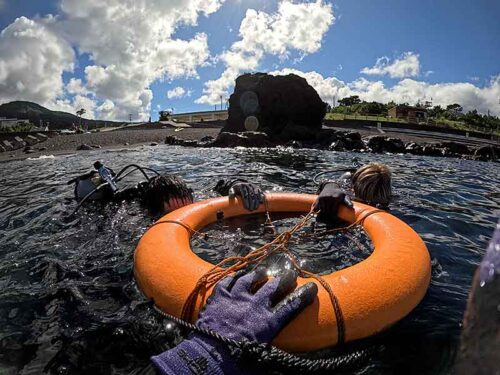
337	140
326	139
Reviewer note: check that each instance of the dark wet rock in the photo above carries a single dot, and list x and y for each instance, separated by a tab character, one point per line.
286	107
2	149
455	149
126	144
41	148
207	138
294	144
18	142
190	143
29	150
379	144
31	140
352	141
41	137
246	139
487	153
338	145
153	144
172	140
7	145
327	136
95	146
432	150
297	132
84	147
480	339
414	148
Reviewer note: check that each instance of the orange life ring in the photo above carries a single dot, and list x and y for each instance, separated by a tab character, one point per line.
373	294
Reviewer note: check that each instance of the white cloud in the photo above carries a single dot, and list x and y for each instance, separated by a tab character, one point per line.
408	65
178	92
127	60
130	44
75	86
295	26
407	90
327	88
32	60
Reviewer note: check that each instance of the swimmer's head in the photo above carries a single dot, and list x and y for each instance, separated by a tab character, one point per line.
372	184
166	193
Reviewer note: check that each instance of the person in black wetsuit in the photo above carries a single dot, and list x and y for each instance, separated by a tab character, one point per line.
159	194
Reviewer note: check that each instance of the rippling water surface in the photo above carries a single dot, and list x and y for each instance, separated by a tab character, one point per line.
69	303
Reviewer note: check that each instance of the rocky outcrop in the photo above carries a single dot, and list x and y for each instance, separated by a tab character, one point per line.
284	107
487	153
381	144
84	147
245	139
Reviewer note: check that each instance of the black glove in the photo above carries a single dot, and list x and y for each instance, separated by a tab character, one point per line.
252	195
330	199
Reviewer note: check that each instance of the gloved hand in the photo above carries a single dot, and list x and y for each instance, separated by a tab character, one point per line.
330	199
237	311
239	308
252	195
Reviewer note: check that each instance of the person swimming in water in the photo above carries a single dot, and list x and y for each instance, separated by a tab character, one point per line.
160	194
371	184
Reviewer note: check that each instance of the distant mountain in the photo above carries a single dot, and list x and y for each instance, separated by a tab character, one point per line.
56	119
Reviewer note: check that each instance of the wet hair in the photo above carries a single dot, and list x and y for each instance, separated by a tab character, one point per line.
161	189
372	184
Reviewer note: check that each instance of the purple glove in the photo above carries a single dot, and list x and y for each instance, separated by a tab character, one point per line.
240	310
330	199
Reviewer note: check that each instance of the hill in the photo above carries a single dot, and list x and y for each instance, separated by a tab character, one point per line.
56	119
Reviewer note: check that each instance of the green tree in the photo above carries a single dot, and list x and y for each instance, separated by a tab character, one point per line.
349	101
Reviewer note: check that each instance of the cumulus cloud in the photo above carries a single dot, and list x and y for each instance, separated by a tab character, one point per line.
127	60
408	65
407	91
131	44
295	26
178	92
32	60
327	88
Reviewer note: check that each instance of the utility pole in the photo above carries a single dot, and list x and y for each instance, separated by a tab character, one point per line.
221	102
130	117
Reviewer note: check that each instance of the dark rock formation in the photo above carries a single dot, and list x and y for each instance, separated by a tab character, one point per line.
284	107
245	139
454	149
414	148
487	153
84	147
378	144
172	140
31	140
207	138
7	145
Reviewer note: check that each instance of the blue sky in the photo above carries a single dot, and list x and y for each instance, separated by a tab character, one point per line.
447	51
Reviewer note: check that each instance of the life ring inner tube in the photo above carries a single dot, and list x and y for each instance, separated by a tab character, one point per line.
373	294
